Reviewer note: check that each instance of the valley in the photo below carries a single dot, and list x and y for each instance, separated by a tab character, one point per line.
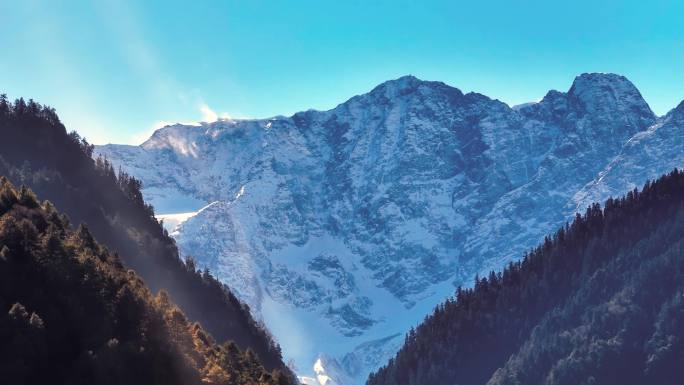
342	229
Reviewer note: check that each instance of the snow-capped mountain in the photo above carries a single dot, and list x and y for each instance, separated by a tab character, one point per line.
343	228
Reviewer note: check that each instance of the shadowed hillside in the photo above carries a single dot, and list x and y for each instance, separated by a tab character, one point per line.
36	151
70	313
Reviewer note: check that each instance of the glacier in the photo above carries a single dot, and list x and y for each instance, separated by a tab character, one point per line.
341	229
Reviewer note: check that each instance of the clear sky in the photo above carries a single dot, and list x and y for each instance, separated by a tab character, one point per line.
115	70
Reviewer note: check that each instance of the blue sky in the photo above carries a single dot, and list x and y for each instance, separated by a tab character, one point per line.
115	70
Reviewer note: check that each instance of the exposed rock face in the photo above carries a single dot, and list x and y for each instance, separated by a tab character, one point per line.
343	228
645	156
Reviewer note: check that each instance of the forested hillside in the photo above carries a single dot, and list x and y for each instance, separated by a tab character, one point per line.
599	302
36	151
72	314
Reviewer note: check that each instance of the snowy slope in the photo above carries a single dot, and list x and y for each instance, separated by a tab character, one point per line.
343	228
645	156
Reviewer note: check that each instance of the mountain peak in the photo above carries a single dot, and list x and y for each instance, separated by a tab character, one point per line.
408	84
398	85
603	82
406	80
607	91
178	137
601	77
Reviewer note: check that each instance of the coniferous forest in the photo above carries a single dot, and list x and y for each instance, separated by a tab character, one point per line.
37	152
599	302
77	316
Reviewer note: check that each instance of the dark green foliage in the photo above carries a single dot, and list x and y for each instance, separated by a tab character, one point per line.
71	314
36	151
600	302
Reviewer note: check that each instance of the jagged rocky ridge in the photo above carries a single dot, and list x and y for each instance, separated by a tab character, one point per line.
342	228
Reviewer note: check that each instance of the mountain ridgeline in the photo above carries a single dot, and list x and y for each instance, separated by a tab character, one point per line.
599	302
72	314
356	221
36	151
